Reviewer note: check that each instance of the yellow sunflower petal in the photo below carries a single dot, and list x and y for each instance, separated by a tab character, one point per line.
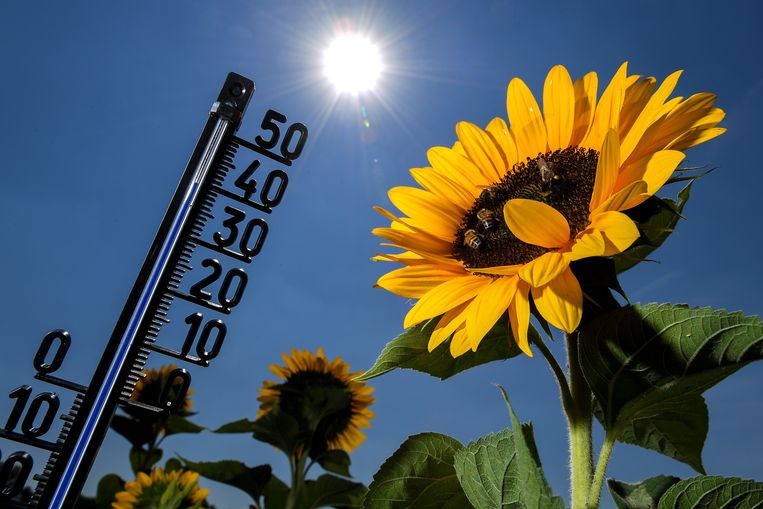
544	268
607	114
525	119
414	282
624	198
501	270
649	114
447	325
459	345
536	223
636	98
482	150
498	129
440	215
654	170
444	297
458	168
606	170
670	126
519	317
587	244
695	137
558	107
585	104
487	308
560	301
442	187
618	231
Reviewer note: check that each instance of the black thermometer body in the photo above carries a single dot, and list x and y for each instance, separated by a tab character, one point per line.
161	282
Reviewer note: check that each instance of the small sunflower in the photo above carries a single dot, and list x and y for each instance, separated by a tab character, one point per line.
149	388
305	371
504	212
162	490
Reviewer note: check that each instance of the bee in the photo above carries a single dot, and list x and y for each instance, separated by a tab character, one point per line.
488	193
472	239
546	173
487	218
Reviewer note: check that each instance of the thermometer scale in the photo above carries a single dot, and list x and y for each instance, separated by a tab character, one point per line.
210	190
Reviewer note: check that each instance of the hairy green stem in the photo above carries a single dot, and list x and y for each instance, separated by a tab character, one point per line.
594	495
579	420
297	479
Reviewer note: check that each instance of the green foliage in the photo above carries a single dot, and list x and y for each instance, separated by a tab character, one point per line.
275	493
706	492
409	351
656	218
138	433
108	487
239	426
643	495
178	424
142	460
336	461
251	480
279	430
419	474
646	364
330	490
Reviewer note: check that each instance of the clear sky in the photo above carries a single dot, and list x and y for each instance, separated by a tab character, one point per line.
103	101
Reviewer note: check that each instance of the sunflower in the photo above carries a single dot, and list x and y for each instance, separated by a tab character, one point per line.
162	490
502	214
149	387
305	372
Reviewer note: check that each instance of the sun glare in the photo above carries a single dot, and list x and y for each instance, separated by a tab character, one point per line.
352	63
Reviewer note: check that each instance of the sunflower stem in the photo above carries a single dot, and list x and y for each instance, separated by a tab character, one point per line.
594	495
579	421
297	479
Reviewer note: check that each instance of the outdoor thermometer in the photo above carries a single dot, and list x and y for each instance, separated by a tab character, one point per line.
193	277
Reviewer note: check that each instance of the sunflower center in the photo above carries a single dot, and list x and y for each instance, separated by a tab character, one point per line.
563	179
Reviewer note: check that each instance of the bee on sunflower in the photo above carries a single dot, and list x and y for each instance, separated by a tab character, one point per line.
176	489
502	214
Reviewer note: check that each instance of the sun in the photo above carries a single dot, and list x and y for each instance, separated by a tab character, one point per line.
352	63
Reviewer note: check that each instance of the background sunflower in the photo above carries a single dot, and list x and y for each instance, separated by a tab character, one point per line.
323	396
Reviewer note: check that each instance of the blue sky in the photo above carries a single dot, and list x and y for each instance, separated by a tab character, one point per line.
102	103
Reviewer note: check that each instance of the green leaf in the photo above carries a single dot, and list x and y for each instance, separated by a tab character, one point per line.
135	431
251	480
279	430
240	426
484	467
643	495
336	461
646	363
675	429
142	460
276	492
108	487
656	218
177	424
419	474
504	470
409	351
706	492
173	464
330	490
